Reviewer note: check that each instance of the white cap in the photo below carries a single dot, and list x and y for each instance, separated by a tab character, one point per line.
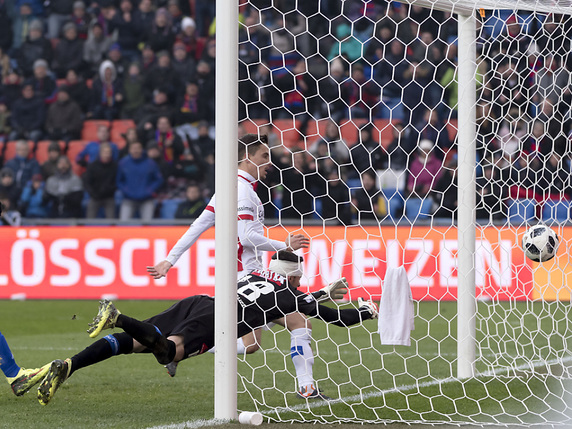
426	145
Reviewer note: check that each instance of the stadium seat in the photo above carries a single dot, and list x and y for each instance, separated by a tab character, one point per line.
556	211
521	211
89	130
75	147
418	209
169	208
119	127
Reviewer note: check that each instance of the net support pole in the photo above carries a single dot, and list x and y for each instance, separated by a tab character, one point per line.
226	120
466	303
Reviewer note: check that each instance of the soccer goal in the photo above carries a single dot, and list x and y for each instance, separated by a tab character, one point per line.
428	135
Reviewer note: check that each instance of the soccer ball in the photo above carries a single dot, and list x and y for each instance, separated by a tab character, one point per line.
540	243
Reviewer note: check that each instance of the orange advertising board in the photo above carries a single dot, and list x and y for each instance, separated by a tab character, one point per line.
90	262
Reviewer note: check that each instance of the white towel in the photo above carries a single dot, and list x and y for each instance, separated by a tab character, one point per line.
396	311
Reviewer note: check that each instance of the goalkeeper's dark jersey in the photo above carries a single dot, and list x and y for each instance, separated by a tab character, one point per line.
265	296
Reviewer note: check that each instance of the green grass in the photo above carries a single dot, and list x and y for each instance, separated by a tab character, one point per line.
374	382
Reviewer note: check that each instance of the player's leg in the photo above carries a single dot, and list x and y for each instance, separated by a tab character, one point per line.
61	370
301	353
20	379
250	342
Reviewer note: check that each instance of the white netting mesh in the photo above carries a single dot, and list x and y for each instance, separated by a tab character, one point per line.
359	99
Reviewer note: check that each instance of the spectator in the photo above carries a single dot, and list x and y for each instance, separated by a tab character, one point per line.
368	200
130	136
64	191
490	194
399	151
176	15
445	192
138	178
7	64
432	128
184	66
190	110
205	14
147	58
90	152
336	200
35	47
389	73
332	104
44	85
193	205
170	143
78	90
425	170
204	143
162	75
144	15
107	93
68	53
100	182
23	166
8	187
366	153
4	121
160	35
10	216
134	97
59	12
49	167
128	30
553	179
188	36
297	199
337	148
206	82
209	53
298	87
22	22
6	34
80	19
121	63
346	45
96	46
150	113
28	115
32	198
361	94
12	88
64	120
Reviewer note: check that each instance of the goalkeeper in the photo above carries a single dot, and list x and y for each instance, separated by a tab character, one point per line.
253	163
187	328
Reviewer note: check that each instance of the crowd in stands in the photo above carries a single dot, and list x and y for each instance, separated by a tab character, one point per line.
66	63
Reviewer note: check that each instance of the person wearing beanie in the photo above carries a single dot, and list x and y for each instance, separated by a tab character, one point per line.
35	47
69	52
64	119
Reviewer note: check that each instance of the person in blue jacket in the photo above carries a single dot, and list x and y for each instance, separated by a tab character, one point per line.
138	178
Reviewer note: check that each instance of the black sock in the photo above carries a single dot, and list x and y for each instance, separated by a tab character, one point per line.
149	336
101	350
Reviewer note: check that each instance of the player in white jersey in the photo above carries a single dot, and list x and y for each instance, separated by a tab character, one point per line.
253	163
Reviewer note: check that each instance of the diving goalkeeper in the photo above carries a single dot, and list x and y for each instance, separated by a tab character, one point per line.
186	329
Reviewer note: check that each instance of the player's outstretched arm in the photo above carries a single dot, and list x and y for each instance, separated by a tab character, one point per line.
160	270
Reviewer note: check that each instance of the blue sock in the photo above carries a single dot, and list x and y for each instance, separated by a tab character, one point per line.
7	362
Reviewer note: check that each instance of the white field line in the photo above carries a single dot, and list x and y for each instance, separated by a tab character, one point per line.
361	397
193	424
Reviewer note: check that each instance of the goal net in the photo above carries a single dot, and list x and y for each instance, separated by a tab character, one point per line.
363	105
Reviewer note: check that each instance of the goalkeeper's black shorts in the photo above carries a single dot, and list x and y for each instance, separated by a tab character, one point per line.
193	318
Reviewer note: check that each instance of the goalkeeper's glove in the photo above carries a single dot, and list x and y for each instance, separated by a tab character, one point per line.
335	290
368	306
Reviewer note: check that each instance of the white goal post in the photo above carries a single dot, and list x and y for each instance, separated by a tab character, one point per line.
468	332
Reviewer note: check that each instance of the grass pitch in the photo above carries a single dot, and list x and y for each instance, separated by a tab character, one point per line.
372	382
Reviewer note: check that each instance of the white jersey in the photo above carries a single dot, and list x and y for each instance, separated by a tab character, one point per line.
251	239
